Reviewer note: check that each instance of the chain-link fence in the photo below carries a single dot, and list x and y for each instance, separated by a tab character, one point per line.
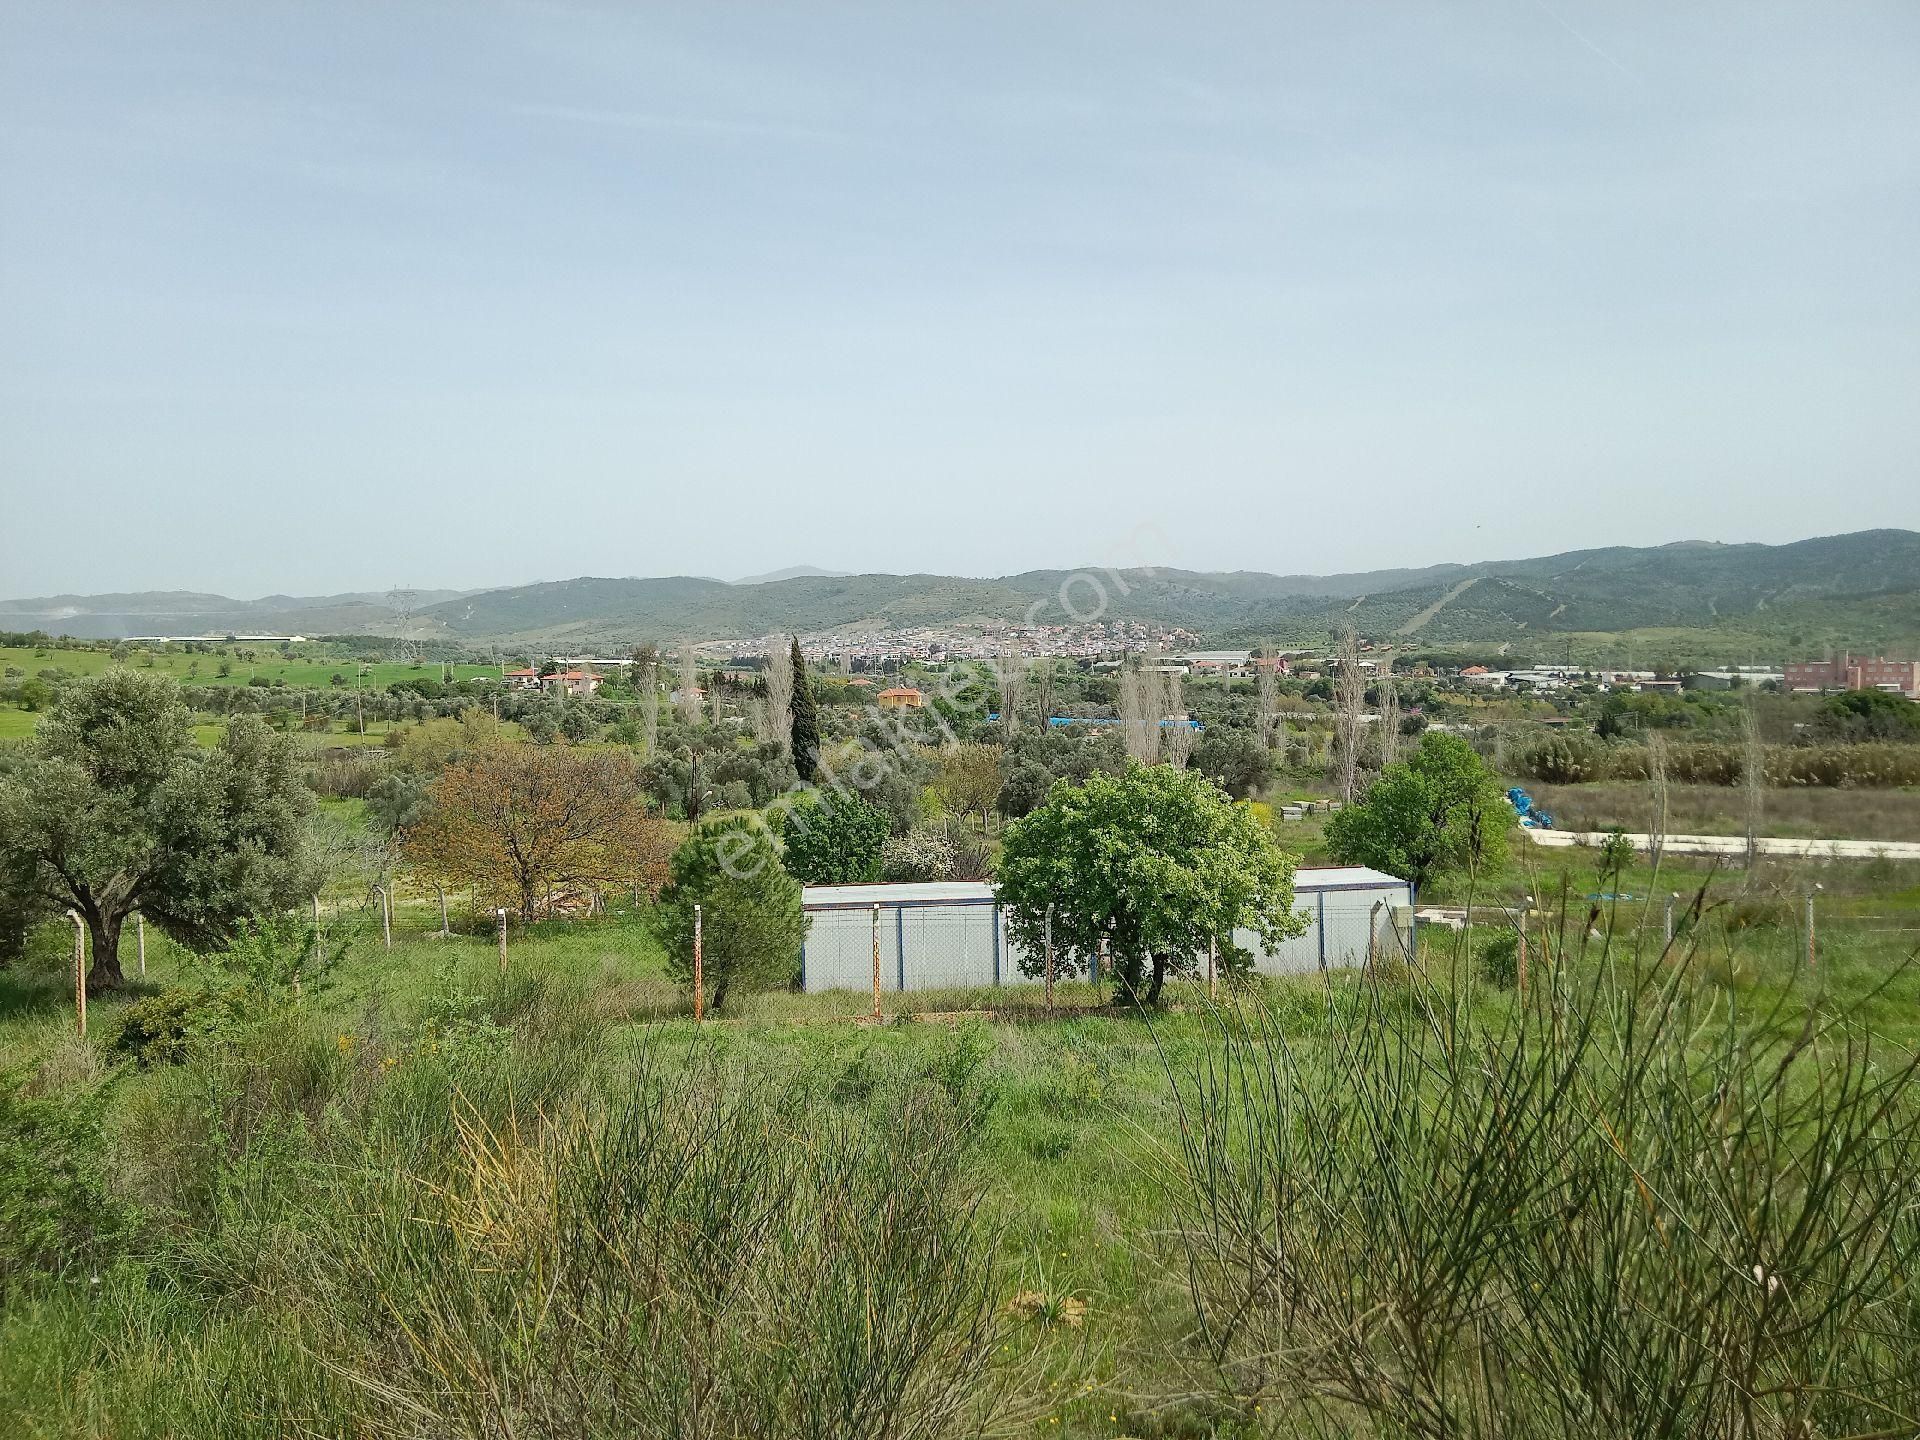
954	943
905	952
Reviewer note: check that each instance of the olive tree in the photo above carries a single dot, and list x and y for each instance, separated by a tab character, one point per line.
1157	863
115	809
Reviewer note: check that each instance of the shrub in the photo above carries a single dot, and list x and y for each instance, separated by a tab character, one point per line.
1562	759
56	1210
1500	960
711	1258
161	1029
919	855
1475	1221
1577	759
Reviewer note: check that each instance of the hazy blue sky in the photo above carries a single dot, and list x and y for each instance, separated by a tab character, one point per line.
318	297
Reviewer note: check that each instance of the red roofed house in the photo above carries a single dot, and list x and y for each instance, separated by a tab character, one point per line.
522	679
901	697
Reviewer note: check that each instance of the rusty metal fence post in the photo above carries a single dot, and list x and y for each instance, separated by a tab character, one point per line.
1213	968
501	916
140	933
876	962
79	971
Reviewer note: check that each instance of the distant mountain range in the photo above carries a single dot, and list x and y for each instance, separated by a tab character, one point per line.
1865	586
792	572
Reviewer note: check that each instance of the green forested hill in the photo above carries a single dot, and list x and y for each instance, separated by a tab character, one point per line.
1860	589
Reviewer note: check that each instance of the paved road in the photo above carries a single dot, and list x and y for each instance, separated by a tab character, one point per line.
1736	845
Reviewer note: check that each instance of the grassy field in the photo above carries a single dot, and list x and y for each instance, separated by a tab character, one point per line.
1892	814
295	670
261	1268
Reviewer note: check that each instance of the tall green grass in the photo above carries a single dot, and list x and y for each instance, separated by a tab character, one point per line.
1626	1205
487	1216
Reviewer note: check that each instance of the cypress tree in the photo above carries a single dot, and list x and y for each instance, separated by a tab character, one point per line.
806	720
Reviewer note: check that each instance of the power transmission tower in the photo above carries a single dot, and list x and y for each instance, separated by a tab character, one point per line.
406	651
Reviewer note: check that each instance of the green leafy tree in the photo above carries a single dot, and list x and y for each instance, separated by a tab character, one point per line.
396	802
1868	715
116	809
1038	757
1439	812
969	780
833	837
806	719
1157	862
1233	759
752	925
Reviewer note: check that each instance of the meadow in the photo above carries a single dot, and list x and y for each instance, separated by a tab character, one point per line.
301	669
426	1197
1817	811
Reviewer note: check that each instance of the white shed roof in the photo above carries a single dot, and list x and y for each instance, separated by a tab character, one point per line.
1307	880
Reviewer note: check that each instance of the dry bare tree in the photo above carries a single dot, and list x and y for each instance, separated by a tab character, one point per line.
1350	707
1389	690
1139	724
689	684
1269	686
780	696
1010	675
1177	736
1040	673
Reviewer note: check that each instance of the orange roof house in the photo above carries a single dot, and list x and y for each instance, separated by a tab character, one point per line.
901	697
